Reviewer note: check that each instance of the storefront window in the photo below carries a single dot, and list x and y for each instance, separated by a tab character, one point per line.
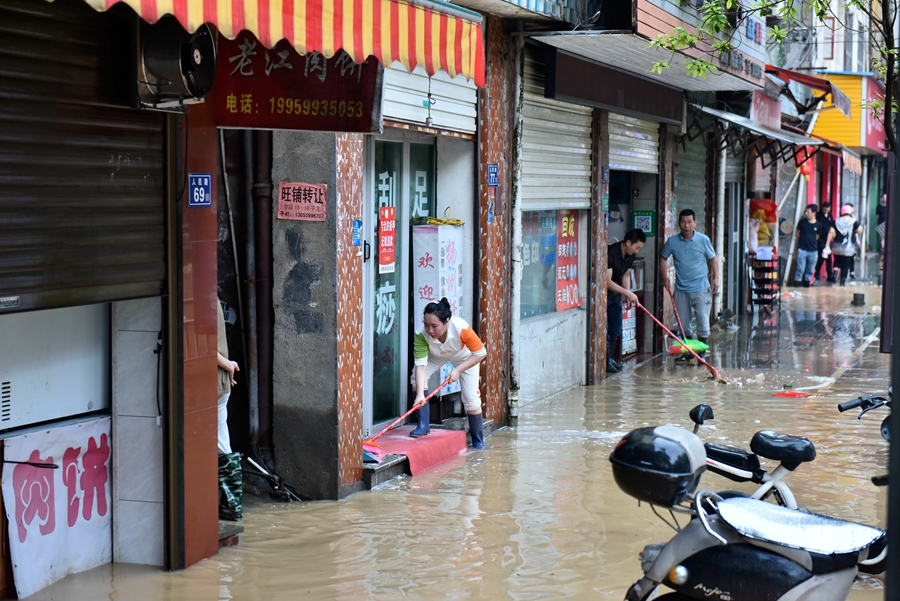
550	262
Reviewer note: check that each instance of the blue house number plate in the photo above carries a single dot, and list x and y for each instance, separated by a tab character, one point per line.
199	190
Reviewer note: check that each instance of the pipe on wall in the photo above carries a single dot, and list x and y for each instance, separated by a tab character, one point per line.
250	319
265	314
720	224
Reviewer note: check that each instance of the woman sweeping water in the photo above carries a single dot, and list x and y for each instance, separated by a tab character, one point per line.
448	339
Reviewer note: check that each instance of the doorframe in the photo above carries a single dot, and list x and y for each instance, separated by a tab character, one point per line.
370	237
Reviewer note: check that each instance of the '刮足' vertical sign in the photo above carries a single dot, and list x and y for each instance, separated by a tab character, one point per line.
387	237
567	294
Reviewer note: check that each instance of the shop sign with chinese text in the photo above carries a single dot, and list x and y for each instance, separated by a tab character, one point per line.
387	236
302	202
277	88
567	293
56	490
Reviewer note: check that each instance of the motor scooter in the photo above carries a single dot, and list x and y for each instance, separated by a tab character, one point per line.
739	465
735	549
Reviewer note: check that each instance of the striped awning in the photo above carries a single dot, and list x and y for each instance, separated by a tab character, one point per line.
430	33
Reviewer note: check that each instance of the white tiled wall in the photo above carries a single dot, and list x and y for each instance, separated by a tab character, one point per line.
138	519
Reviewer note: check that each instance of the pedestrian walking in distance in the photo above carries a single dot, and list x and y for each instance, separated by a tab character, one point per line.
447	338
843	240
826	220
620	258
809	230
696	276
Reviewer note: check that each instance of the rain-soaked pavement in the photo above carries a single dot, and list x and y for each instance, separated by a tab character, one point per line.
537	515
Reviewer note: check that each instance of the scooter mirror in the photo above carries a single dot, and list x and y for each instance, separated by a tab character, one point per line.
700	414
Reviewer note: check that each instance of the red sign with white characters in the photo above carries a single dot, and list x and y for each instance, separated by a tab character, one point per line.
872	123
567	293
387	237
277	88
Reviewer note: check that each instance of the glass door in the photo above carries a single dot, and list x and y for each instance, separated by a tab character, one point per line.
401	189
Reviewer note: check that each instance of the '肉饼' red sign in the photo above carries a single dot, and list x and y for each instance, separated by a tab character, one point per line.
277	88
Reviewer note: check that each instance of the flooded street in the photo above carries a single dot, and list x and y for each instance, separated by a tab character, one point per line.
537	515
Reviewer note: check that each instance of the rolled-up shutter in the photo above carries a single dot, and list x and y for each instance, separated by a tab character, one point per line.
406	97
633	144
690	182
734	167
556	147
82	182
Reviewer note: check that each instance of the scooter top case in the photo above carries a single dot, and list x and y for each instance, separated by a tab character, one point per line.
756	551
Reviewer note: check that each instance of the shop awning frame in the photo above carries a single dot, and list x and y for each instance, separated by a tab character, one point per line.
430	33
838	98
741	133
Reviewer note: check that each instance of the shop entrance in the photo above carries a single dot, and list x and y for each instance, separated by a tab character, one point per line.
633	200
400	188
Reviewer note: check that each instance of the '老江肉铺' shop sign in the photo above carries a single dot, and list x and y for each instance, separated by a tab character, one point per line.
277	88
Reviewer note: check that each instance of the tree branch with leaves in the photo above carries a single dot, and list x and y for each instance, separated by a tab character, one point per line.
721	20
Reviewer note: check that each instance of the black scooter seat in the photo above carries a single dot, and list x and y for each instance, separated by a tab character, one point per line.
794	528
789	450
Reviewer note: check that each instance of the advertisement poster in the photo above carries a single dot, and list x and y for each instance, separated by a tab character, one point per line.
387	237
437	273
567	293
277	88
60	521
302	202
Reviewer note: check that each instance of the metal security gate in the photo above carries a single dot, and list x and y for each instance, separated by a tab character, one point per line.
82	179
406	99
633	144
556	146
690	180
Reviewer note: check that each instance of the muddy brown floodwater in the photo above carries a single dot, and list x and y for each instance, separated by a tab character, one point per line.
538	515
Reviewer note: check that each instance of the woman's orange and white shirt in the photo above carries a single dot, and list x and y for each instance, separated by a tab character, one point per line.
461	343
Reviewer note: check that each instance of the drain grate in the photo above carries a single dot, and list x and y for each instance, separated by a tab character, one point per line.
5	401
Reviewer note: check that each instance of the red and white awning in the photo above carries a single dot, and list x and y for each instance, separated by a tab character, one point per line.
430	33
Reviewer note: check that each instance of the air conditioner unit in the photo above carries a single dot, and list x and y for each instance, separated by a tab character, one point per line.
175	68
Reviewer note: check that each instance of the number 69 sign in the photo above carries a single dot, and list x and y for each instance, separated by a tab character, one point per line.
199	190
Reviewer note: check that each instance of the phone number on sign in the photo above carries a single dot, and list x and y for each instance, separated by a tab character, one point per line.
318	108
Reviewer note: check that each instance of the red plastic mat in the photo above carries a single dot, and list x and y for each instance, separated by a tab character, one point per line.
425	452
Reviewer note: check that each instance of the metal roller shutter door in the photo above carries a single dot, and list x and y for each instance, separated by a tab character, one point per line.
405	94
556	147
82	182
633	144
690	191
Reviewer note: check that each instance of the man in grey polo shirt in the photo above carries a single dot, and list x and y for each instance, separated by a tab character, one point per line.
696	275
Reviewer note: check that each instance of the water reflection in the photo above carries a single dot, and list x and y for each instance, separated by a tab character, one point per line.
538	515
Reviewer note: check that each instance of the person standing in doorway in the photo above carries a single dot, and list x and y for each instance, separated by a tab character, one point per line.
448	339
230	478
826	220
808	233
620	258
696	275
881	219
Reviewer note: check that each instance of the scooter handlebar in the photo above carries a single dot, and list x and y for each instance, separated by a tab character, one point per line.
850	405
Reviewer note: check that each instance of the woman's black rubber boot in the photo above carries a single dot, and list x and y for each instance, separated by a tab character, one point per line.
476	429
423	429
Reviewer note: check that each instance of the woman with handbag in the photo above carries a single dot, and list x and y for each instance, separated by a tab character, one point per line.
843	241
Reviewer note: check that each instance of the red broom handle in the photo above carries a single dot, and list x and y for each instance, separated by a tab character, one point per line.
690	350
677	316
405	415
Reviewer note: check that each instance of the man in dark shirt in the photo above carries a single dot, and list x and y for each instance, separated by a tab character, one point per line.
825	220
620	258
808	232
